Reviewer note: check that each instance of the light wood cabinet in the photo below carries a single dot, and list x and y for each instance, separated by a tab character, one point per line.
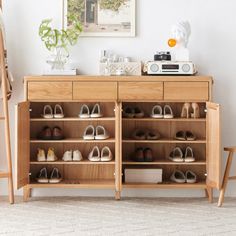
114	94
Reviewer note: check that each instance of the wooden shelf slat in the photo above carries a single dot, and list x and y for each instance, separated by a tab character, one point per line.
165	120
164	162
72	119
162	141
84	162
72	140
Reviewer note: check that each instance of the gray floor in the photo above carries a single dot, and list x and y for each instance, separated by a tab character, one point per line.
105	216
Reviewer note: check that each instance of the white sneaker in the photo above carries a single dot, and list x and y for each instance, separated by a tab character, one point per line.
178	177
89	133
191	177
84	112
67	156
41	155
106	154
51	156
77	156
101	133
96	111
94	155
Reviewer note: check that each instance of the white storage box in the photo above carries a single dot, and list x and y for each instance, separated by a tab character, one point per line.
143	176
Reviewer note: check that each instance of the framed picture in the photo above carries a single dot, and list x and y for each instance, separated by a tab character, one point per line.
106	18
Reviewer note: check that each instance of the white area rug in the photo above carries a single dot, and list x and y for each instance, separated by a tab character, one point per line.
105	216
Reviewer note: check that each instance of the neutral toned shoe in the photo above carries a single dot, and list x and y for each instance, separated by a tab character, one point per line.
58	112
168	113
94	155
157	112
185	113
55	176
96	111
67	156
89	133
188	156
139	155
128	112
77	156
47	112
178	177
191	177
106	154
42	176
176	155
57	133
139	134
180	135
84	112
148	155
196	111
138	113
190	136
101	133
150	135
46	133
51	155
41	155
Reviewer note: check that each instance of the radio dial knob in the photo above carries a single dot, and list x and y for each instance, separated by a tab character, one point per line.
154	68
186	68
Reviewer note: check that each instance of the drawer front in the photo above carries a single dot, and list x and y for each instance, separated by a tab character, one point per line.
140	90
186	91
95	91
50	91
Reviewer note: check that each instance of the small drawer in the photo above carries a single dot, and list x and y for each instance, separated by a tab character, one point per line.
50	91
93	91
186	91
140	90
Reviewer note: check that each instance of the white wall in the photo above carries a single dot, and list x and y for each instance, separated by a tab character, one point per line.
212	47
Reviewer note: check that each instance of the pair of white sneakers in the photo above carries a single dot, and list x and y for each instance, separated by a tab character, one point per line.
104	155
72	156
98	133
85	112
51	156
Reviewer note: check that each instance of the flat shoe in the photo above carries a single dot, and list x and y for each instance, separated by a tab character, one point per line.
60	114
84	112
148	155
46	133
57	133
168	113
176	155
42	176
94	155
89	133
190	136
191	177
189	157
101	133
152	135
178	177
128	112
157	112
139	155
138	113
180	135
55	176
96	111
47	112
106	154
139	134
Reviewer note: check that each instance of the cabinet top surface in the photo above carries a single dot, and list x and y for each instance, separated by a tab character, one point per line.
118	78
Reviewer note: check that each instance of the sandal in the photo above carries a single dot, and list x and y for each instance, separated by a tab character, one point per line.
178	177
180	135
188	157
47	112
152	135
138	113
60	114
55	176
89	133
128	112
101	133
190	136
96	111
168	113
106	154
42	176
157	112
190	177
94	155
84	112
176	155
139	134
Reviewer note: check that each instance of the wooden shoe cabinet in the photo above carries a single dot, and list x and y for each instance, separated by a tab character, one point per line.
113	94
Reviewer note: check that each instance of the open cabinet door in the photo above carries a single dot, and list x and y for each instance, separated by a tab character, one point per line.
213	132
22	144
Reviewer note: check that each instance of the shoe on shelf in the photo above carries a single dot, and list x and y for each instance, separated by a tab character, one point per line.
47	112
148	155
157	112
139	155
138	113
139	134
94	155
177	155
178	177
196	111
77	156
150	135
84	112
190	177
106	154
57	133
101	133
42	176
128	112
89	133
190	136
180	135
96	111
168	113
41	155
46	133
55	176
58	112
185	113
189	157
67	156
51	155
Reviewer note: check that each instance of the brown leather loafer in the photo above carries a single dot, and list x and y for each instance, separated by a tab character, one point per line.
148	155
57	133
45	134
139	155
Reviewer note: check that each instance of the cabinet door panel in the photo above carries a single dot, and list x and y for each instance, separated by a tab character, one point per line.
50	91
186	91
141	91
95	91
22	144
213	146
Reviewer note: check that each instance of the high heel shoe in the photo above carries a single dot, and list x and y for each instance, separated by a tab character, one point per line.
185	110
196	111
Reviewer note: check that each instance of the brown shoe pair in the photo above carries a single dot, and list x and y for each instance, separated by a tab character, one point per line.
143	155
51	134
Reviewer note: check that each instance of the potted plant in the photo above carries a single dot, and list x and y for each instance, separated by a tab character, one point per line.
58	41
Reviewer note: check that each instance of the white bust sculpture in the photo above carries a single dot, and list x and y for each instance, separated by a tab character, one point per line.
180	34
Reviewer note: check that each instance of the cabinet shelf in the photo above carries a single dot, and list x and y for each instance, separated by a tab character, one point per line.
72	119
164	162
200	141
85	162
165	120
73	140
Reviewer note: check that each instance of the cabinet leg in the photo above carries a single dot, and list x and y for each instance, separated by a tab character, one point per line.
209	194
117	195
26	193
11	190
